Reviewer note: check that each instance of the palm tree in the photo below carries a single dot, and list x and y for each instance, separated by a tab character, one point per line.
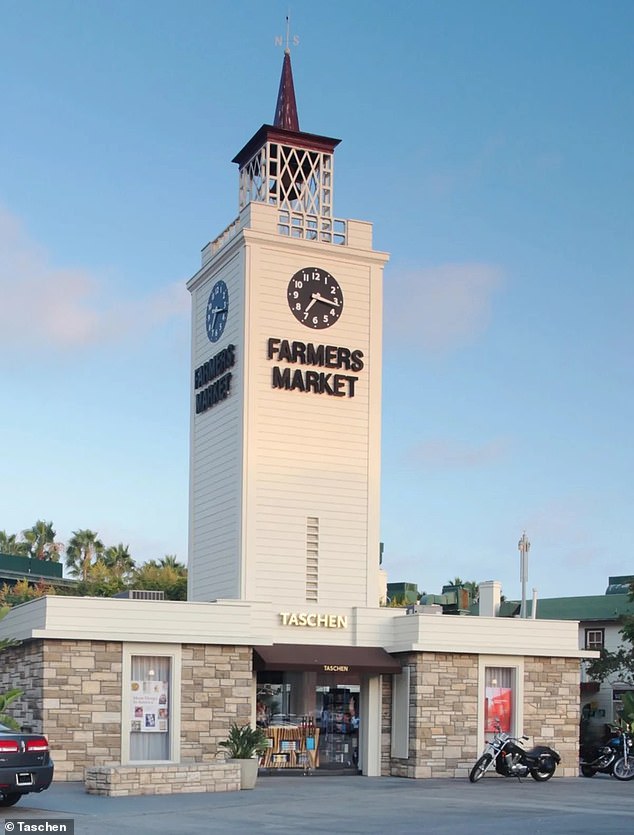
172	580
83	550
40	539
117	558
171	561
9	545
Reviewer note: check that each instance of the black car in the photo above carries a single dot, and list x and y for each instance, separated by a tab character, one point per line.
25	765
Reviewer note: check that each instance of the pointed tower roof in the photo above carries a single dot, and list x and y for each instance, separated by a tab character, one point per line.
286	108
285	128
285	167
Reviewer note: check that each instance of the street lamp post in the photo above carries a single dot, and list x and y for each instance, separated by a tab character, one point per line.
524	547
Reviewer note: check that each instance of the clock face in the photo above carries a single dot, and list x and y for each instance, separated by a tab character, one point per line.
217	310
315	298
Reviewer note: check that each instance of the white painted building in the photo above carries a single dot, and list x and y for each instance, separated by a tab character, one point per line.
283	625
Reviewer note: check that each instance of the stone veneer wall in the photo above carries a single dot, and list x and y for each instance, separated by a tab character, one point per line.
73	693
217	689
443	716
124	780
444	713
22	667
82	704
552	708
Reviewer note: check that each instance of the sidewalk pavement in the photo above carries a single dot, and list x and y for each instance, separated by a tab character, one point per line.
349	805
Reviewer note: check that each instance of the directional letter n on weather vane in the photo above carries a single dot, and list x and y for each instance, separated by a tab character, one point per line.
286	41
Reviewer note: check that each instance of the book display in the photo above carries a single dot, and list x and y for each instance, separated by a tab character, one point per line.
309	727
292	746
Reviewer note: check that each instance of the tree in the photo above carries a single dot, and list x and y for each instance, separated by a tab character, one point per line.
118	560
620	662
169	578
40	541
5	701
14	693
100	581
9	544
83	550
22	591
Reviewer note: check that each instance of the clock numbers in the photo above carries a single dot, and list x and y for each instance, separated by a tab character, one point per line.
315	298
217	311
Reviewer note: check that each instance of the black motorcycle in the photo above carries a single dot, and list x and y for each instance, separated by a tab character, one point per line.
510	759
604	759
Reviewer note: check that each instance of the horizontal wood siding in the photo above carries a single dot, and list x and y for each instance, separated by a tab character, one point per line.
309	453
216	444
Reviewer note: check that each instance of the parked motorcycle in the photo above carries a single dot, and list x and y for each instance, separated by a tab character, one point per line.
510	759
624	766
604	759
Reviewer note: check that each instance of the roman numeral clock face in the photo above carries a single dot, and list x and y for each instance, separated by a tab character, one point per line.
315	298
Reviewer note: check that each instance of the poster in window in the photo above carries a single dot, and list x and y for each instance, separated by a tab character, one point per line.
498	706
150	709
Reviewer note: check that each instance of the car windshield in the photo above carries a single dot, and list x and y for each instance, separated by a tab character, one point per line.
5	730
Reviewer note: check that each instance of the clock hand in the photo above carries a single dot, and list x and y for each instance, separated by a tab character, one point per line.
216	311
331	302
310	304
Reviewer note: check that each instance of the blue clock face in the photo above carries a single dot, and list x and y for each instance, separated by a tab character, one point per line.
217	310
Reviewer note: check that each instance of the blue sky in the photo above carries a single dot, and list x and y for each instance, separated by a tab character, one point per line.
489	142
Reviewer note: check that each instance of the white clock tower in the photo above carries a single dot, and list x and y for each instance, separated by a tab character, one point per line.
286	386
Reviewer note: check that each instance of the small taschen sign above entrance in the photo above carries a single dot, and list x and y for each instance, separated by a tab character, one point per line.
325	659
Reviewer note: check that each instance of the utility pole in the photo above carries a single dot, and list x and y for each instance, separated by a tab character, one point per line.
524	547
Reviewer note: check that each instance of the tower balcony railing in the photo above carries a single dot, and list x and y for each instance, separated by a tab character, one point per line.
312	227
297	225
226	235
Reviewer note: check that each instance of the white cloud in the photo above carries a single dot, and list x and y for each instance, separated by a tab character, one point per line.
440	308
50	307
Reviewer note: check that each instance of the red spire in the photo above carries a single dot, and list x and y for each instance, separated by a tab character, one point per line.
286	109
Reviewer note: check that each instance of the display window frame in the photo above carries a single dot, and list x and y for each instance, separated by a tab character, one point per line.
173	654
513	701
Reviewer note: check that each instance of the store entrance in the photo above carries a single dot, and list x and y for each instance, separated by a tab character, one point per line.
311	721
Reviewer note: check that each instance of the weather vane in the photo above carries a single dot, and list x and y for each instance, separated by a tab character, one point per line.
294	39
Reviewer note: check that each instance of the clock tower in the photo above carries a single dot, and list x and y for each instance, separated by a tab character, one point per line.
286	386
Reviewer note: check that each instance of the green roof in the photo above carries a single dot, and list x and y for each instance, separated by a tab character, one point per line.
13	566
592	607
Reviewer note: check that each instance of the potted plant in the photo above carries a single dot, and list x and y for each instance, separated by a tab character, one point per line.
245	744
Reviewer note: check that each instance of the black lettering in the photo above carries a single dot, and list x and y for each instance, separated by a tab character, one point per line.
312	381
281	378
272	347
285	351
215	392
339	382
343	358
331	356
231	355
315	354
299	352
352	382
357	361
298	380
324	385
